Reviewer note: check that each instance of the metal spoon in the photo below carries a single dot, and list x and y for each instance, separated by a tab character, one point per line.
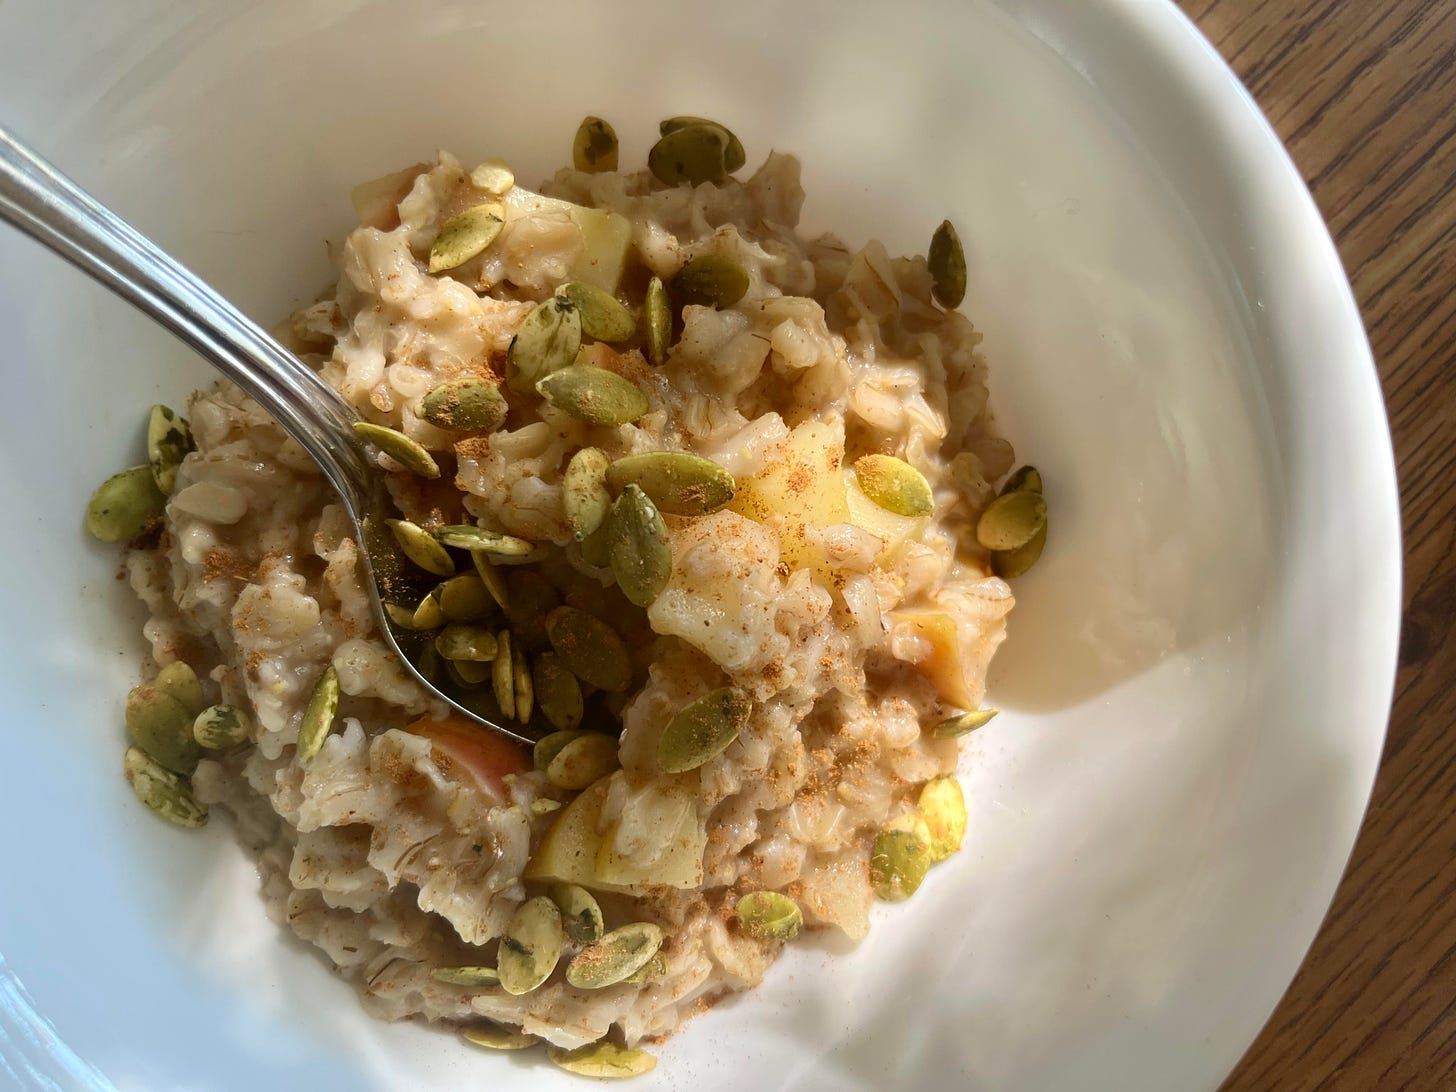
52	209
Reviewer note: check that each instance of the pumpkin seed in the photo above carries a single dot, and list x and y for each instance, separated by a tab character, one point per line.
894	485
581	915
493	176
604	1060
531	946
595	148
399	447
769	915
1011	520
465	235
677	482
692	154
468	674
402	617
458	641
421	547
546	342
596	548
430	664
162	790
503	677
590	757
603	316
655	967
1009	564
943	807
641	556
616	955
464	598
318	716
466	976
947	262
125	505
710	280
734	156
549	746
532	598
219	727
963	723
490	576
703	729
657	317
584	496
429	614
178	679
594	395
467	536
558	694
161	726
499	1038
589	648
898	865
467	403
1028	477
169	439
524	691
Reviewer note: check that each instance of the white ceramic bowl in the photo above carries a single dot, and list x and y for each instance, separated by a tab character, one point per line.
1198	676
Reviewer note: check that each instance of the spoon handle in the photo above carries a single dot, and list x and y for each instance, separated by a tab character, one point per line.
48	206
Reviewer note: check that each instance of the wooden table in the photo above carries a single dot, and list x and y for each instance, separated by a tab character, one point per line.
1364	94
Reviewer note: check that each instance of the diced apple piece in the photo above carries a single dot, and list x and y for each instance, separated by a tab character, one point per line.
467	752
893	529
376	202
942	665
606	238
568	852
800	487
680	864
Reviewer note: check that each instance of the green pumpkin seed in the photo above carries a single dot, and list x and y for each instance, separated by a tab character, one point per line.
710	280
549	746
769	915
430	664
603	316
620	953
584	496
532	598
503	675
464	598
408	453
219	727
458	641
604	1060
466	976
466	235
162	790
429	614
898	865
558	694
943	807
657	317
734	157
594	395
499	1038
178	679
468	673
641	556
963	723
703	729
596	548
1009	564
467	536
947	262
590	757
547	341
1011	520
677	482
493	176
1028	477
655	967
595	148
894	485
692	154
464	404
169	439
490	576
125	505
400	617
581	915
589	648
421	547
530	947
160	725
318	716
525	692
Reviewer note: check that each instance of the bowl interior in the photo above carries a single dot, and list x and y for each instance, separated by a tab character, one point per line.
1198	674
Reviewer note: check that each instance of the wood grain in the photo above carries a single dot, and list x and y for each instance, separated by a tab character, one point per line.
1364	94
